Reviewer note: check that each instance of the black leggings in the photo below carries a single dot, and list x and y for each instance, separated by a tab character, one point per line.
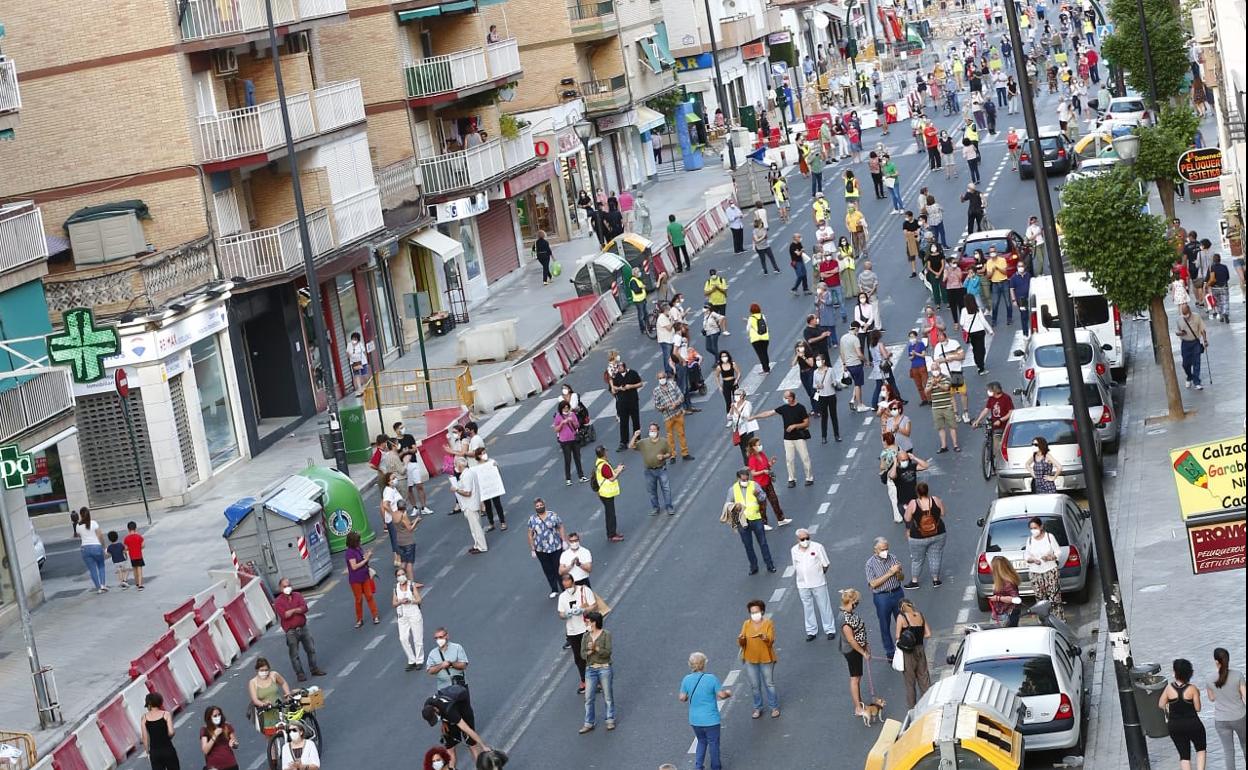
955	302
1187	733
494	507
760	349
977	346
571	451
877	181
827	409
550	568
574	641
728	386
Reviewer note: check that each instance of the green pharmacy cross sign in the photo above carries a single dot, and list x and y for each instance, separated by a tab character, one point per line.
83	346
15	466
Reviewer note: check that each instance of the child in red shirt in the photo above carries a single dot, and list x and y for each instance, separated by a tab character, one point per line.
134	548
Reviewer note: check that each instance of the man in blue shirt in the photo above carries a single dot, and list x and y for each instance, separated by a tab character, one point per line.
1020	289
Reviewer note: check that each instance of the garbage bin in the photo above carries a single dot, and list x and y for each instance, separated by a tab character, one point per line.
1147	684
344	507
355	433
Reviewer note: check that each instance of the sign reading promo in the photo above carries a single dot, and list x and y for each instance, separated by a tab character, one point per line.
1210	477
1216	547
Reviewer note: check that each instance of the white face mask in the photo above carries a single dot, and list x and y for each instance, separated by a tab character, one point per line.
1035	533
217	719
264	674
295	735
402	579
894	412
745	483
437	764
574	546
654	434
883	554
662	381
288	590
756	616
442	642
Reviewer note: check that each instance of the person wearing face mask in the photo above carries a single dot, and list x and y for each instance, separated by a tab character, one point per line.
757	641
796	422
359	575
853	644
566	426
905	476
897	423
884	576
864	316
810	566
454	449
438	758
546	539
916	353
414	470
574	601
1043	557
490	487
713	325
760	466
292	612
825	384
607	481
881	367
1044	468
218	741
742	423
265	689
447	661
654	456
670	402
744	511
299	753
804	360
464	487
406	602
729	375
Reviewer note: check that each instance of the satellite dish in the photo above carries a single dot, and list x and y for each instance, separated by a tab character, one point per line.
821	20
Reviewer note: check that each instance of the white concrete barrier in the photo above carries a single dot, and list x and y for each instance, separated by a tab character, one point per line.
258	605
491	392
226	587
185	672
613	309
556	363
184	628
133	695
91	745
222	638
585	332
523	381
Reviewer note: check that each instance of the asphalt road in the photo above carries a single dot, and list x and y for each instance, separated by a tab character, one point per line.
677	583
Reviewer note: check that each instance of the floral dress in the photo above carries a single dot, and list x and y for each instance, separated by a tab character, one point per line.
1040	468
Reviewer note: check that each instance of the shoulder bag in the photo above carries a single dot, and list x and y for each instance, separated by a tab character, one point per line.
842	639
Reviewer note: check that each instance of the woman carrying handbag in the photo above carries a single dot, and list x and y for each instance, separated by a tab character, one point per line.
910	631
741	421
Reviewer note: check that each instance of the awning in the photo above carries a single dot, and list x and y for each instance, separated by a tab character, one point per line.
692	117
838	11
650	54
439	244
648	119
459	5
419	13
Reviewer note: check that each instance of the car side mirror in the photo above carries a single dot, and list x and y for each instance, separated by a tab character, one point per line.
951	659
1076	651
1017	353
979	522
1107	347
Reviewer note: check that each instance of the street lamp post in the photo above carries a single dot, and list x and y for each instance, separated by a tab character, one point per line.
720	94
309	256
1147	49
583	130
1115	611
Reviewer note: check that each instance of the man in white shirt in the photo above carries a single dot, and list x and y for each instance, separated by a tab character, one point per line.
475	442
576	560
665	331
824	233
810	562
466	490
737	225
1035	236
948	355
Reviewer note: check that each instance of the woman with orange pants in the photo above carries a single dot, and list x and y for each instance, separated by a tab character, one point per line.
360	578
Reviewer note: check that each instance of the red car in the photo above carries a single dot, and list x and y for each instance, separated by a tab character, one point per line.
1008	242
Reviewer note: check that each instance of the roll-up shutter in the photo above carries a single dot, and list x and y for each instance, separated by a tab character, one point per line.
498	241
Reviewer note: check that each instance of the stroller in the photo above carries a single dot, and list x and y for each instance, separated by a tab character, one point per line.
694	381
1218	303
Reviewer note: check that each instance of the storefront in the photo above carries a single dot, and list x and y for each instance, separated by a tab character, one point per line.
632	158
536	205
437	263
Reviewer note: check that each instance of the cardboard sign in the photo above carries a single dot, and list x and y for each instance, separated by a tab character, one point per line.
1210	477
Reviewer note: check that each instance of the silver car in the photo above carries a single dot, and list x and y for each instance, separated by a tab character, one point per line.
1042	350
1057	425
1051	387
1004	536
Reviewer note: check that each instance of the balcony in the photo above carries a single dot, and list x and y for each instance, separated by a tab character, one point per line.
21	236
452	75
203	19
399	183
590	20
274	250
740	30
478	166
605	95
142	283
257	131
519	151
10	94
357	215
33	402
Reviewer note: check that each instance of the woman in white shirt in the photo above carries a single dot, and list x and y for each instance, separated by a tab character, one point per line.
740	420
976	328
825	383
91	543
574	602
299	753
357	355
1042	555
406	602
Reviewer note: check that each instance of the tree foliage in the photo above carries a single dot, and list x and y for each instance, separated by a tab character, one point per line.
1162	143
1106	232
1165	37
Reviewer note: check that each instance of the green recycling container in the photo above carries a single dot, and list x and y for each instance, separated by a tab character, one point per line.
344	507
355	433
748	118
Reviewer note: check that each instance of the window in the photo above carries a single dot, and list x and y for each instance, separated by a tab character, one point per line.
214	401
1012	534
1052	356
1027	676
1090	310
1056	432
1134	105
1059	395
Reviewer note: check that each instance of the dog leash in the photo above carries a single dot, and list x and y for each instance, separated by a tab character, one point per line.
870	680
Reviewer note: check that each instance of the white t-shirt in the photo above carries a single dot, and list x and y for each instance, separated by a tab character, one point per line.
310	755
809	564
664	328
1037	549
467	483
392	496
973	323
740	419
474	443
585	557
88	536
946	349
584	597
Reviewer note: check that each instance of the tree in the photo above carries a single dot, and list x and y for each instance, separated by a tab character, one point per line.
1125	253
1166	44
1160	147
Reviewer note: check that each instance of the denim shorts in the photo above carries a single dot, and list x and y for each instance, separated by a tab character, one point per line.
407	553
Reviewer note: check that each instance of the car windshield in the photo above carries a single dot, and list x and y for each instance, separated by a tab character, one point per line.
1027	676
1052	357
1012	534
1059	395
1048	143
1054	431
1131	106
1090	310
1002	245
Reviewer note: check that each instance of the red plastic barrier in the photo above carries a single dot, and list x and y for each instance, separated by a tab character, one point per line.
541	367
162	680
444	417
572	309
118	731
204	653
67	756
238	618
179	612
153	654
205	610
432	451
598	314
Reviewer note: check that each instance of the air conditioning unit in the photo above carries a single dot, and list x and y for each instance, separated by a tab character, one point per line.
299	42
225	62
1213	66
569	94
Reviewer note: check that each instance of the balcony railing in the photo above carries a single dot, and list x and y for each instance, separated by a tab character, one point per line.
10	94
258	129
273	250
463	69
463	169
399	183
589	17
605	94
33	402
737	31
518	151
139	283
357	215
21	236
201	19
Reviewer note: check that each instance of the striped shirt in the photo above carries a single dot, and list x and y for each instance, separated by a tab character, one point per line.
939	393
876	569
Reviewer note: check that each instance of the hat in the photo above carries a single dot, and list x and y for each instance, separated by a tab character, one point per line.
819	195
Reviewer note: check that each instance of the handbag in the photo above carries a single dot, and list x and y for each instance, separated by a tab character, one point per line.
736	438
957	379
906	641
899	660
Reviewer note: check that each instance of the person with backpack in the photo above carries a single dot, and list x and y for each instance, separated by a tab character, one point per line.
606	482
925	531
756	327
452	706
911	630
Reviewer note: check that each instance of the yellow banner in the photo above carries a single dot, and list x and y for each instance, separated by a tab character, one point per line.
1210	477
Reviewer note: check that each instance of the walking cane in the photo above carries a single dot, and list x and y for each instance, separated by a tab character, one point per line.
1208	364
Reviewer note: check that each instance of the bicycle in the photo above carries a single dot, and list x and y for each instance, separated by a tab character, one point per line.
652	323
297	708
988	455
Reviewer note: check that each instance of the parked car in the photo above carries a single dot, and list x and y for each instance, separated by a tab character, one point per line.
1057	425
1059	155
1051	387
1008	243
1044	665
1043	350
41	553
1092	310
1093	167
1005	533
1125	111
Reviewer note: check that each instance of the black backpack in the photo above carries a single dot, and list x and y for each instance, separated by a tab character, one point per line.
761	325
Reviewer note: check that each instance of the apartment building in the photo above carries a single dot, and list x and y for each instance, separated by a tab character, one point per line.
1220	33
599	61
36	405
10	94
154	147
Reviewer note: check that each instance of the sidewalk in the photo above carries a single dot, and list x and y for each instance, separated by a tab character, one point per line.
90	640
1149	539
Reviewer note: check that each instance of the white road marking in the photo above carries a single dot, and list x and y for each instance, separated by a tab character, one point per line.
968	594
543	408
813	528
964	614
867	420
376	640
841	471
777	595
347	669
751	381
853	450
496	420
860	436
444	571
792	380
832	489
589	398
731	679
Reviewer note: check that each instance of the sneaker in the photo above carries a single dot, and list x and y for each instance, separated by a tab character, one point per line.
771	569
671	511
584	479
688	458
1188	384
655	512
140	588
792	483
726	333
411	667
767	528
610	724
753	570
913	584
567	482
937	584
1198	386
616	539
553	594
810	482
125	586
784	522
810	637
426	511
966	418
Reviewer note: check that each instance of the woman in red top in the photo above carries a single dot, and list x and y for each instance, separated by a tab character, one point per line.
760	471
218	741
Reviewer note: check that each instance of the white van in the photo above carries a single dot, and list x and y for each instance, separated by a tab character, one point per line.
1092	311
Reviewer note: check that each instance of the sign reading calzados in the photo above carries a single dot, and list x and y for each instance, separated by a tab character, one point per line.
1210	477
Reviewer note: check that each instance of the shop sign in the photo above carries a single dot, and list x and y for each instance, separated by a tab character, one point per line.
461	208
15	466
780	38
83	346
612	122
1201	169
754	50
702	61
529	179
567	141
1210	477
1216	546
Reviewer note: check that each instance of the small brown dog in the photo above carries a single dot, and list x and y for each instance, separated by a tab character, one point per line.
872	712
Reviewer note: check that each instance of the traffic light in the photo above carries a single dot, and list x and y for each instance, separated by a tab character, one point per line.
781	99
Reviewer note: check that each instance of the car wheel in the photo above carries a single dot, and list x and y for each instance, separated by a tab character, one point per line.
1024	175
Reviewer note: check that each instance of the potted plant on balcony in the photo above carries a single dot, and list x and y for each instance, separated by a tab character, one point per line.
507	91
509	126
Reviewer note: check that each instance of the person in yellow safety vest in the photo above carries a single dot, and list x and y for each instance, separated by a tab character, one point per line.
637	293
852	192
716	291
607	480
821	207
760	335
746	515
781	192
971	133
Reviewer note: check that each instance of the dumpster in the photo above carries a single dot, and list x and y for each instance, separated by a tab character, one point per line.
355	433
282	532
1147	684
343	506
637	251
602	274
750	180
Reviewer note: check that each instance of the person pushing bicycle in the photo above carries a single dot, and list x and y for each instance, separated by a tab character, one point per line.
997	410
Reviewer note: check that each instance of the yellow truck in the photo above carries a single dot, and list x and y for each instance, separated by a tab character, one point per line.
963	722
